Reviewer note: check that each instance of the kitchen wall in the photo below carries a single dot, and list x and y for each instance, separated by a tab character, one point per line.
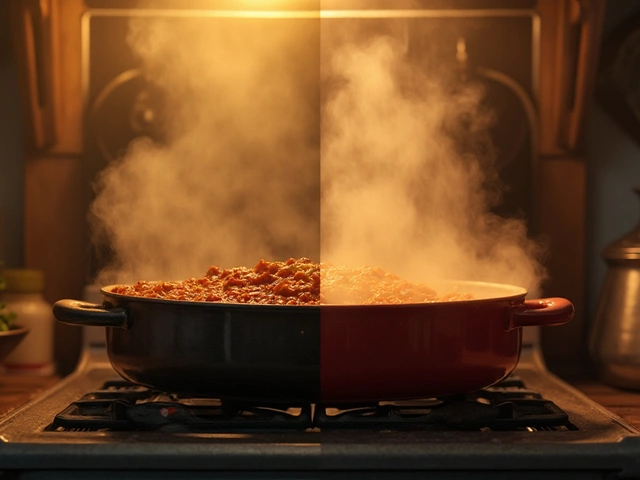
11	153
613	161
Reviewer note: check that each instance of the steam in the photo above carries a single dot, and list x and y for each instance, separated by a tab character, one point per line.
237	176
390	164
409	174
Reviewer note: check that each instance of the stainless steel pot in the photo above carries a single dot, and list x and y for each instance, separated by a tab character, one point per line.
614	343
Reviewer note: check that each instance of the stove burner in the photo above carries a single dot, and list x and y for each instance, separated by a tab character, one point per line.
159	412
121	406
455	414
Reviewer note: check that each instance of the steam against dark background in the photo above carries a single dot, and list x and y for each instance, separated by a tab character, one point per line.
237	177
408	168
286	140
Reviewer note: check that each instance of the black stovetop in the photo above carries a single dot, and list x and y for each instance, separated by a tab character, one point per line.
414	439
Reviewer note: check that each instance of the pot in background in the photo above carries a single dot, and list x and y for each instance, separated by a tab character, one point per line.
10	339
614	343
24	296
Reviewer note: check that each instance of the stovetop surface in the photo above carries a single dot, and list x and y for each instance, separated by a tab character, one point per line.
594	440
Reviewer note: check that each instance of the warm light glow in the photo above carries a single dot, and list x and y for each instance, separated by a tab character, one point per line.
392	158
274	4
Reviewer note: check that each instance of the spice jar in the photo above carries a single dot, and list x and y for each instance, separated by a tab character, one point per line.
23	296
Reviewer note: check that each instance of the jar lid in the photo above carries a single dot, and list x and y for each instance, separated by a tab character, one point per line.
627	248
23	280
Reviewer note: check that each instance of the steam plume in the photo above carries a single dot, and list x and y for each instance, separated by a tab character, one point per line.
237	177
408	173
398	189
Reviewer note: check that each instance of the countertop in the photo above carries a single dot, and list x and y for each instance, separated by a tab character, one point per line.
625	404
16	390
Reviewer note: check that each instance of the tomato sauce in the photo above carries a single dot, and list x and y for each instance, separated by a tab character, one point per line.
293	282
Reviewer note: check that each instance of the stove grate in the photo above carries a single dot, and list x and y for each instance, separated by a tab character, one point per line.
461	414
119	405
188	415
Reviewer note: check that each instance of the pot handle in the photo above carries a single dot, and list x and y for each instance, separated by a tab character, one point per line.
541	312
74	312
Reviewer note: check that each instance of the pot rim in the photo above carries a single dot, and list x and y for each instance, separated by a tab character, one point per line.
510	292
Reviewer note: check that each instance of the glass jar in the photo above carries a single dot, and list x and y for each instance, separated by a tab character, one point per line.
23	296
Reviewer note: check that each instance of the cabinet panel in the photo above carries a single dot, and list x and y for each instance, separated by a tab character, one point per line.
48	51
571	32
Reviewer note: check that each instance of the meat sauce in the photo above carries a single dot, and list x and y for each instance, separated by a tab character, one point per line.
294	282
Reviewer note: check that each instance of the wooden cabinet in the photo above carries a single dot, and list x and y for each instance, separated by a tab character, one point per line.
47	39
570	38
571	33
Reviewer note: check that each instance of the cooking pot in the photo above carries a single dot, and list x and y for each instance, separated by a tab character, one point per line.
326	353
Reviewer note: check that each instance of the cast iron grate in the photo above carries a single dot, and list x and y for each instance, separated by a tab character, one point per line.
461	413
116	407
121	406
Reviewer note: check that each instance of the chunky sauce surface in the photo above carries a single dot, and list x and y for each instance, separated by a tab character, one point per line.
294	282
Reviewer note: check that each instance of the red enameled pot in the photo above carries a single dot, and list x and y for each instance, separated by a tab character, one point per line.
327	353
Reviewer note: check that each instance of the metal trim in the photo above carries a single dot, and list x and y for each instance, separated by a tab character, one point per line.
378	13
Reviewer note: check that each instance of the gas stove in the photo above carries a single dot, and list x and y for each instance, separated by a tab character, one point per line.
121	406
532	423
529	425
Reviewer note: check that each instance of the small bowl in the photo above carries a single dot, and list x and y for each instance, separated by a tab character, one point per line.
10	339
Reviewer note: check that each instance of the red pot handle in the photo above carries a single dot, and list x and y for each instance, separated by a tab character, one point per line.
544	311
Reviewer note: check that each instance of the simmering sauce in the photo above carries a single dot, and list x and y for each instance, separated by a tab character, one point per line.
294	282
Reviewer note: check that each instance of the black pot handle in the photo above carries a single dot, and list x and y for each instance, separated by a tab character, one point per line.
74	312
